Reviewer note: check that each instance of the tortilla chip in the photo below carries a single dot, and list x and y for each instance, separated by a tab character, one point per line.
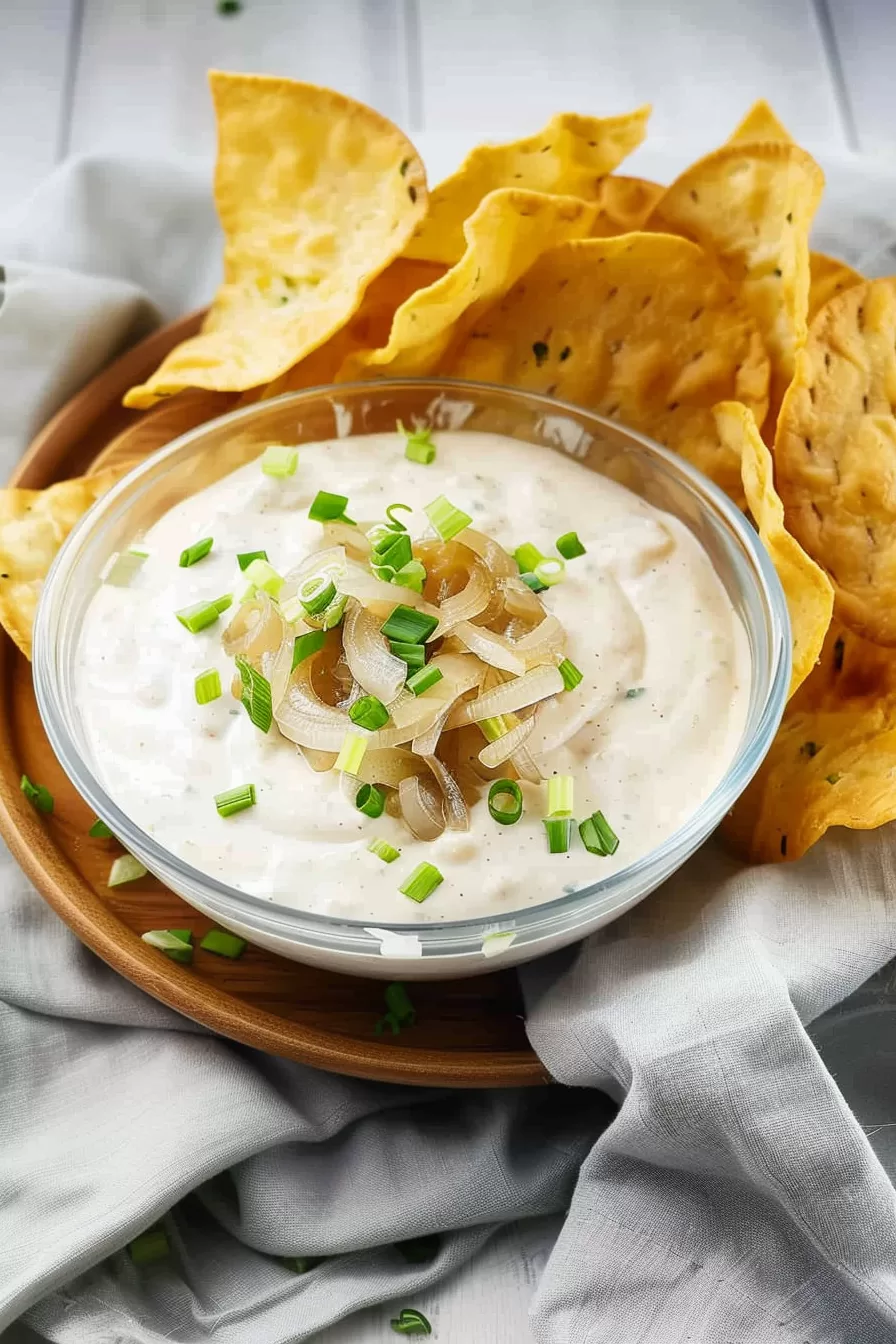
33	525
316	195
835	454
505	235
810	597
643	328
760	123
827	277
624	204
752	206
568	158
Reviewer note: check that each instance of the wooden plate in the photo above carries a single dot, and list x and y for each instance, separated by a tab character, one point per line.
469	1032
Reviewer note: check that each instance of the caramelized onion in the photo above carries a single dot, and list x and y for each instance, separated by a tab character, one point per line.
542	643
305	719
524	764
460	674
338	533
512	695
496	559
469	602
499	751
376	594
421	808
320	761
377	670
389	767
328	561
520	600
457	816
257	628
491	648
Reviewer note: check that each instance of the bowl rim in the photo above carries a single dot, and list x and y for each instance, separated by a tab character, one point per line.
677	847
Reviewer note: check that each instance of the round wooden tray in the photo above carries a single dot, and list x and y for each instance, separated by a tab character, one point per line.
469	1032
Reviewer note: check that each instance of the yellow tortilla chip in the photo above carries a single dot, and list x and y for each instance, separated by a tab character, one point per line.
643	328
316	195
568	158
827	277
835	454
810	597
33	525
751	206
624	204
505	235
760	123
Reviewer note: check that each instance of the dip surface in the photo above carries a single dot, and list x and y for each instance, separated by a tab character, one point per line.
662	705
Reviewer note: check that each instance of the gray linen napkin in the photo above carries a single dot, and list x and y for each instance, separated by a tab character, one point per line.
734	1199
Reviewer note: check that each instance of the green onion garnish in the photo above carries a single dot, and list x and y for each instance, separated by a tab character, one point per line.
197	551
256	695
264	576
202	614
497	726
235	800
383	850
561	791
37	795
171	943
351	754
505	802
150	1246
369	712
391	553
185	935
570	674
412	575
327	508
125	869
207	686
332	615
527	557
534	582
394	522
370	800
422	680
407	626
410	1321
305	645
419	446
559	833
121	568
421	883
598	835
278	460
550	571
223	944
245	558
445	518
100	831
569	546
400	1012
634	692
317	593
413	654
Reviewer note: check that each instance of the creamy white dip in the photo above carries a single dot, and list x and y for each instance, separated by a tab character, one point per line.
662	705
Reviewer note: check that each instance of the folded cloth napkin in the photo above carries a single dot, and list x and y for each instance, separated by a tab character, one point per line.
733	1199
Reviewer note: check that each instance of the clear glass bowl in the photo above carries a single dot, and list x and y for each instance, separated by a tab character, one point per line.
413	951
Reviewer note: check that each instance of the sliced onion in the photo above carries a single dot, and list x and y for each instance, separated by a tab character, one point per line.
389	767
421	807
542	643
491	648
257	628
305	719
520	600
461	673
348	535
376	594
512	695
496	753
469	602
524	764
328	561
367	654
457	816
496	559
277	667
320	761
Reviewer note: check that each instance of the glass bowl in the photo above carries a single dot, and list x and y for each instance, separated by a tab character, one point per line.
412	951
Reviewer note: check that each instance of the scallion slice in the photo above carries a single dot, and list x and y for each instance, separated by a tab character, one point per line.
410	1321
125	869
393	549
421	883
37	795
497	726
569	546
422	680
534	582
235	800
550	571
223	944
598	835
412	575
408	626
256	695
279	460
121	568
394	522
305	645
527	557
169	942
150	1246
400	1012
570	674
505	802
351	754
317	593
447	520
561	793
419	446
369	712
207	686
413	654
332	615
326	508
264	576
383	850
198	551
559	833
245	558
370	800
202	614
100	831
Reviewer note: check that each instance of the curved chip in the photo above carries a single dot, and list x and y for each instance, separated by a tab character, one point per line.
643	328
316	195
835	454
810	597
760	123
505	235
751	205
827	277
567	158
624	204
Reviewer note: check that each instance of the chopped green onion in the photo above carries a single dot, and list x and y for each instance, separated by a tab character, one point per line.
534	582
570	674
37	795
413	654
125	869
498	726
256	696
306	645
327	508
550	571
422	680
391	553
122	567
301	1264
412	575
561	790
207	686
150	1246
100	831
500	811
400	1011
634	692
317	593
527	557
369	712
250	591
291	610
333	614
559	833
279	460
445	518
245	558
175	947
598	835
265	577
396	523
419	446
419	1250
351	754
202	614
185	935
407	626
383	850
410	1321
370	800
421	883
223	944
197	551
235	800
569	546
